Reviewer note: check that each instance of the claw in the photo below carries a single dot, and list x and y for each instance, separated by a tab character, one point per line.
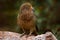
22	34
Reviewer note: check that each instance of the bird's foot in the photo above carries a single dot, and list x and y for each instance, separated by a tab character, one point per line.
28	36
22	34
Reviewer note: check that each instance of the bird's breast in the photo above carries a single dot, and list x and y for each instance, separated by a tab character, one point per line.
27	24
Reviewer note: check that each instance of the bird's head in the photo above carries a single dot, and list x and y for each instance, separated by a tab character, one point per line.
26	11
26	8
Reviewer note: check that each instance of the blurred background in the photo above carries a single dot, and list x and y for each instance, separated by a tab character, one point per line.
46	11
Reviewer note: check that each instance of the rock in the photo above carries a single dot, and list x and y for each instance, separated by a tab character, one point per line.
6	35
40	37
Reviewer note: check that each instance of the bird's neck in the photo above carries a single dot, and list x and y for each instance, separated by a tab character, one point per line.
26	17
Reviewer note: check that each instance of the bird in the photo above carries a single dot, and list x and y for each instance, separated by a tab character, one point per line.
26	19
